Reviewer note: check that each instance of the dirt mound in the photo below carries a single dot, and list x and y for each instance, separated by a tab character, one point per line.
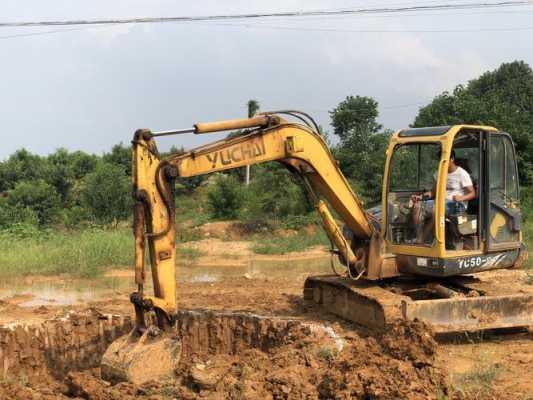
305	368
303	360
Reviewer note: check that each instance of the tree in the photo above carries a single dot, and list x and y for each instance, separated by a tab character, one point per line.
225	197
274	195
355	118
106	193
120	155
502	98
361	149
252	107
21	166
60	171
38	196
82	164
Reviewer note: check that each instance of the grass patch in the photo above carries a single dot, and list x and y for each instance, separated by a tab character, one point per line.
185	235
280	245
188	253
326	353
85	253
478	382
192	208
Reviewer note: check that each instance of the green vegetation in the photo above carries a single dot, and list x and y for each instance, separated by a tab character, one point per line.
281	245
225	197
67	212
502	98
362	146
478	382
83	253
104	194
188	253
326	353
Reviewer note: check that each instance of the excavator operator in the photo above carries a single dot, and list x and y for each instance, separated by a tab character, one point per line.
459	190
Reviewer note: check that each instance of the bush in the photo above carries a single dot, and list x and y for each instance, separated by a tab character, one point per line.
10	215
36	197
106	193
273	194
120	155
74	217
225	198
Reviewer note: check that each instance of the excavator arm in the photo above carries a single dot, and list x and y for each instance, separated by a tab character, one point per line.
270	138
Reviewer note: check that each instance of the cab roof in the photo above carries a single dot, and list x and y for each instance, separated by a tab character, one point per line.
429	131
440	130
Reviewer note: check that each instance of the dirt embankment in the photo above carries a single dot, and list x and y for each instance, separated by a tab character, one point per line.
292	360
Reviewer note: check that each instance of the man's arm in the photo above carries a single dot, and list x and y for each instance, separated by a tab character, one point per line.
426	195
469	195
470	192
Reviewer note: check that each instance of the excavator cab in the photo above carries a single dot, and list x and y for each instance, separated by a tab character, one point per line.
439	239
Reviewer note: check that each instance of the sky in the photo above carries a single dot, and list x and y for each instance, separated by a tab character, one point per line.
90	88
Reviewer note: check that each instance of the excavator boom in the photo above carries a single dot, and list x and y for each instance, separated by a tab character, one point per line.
298	147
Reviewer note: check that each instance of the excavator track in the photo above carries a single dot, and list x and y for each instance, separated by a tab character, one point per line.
475	307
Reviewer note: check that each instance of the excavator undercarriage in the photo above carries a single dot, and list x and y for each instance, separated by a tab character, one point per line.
390	268
453	305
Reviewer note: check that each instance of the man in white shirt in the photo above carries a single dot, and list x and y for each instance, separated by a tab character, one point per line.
459	190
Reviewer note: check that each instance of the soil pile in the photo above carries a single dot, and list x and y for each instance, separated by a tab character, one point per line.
342	364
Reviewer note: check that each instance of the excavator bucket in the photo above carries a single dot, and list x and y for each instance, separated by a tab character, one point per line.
136	358
376	305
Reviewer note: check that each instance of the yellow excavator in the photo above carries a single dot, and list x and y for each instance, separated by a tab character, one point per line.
394	266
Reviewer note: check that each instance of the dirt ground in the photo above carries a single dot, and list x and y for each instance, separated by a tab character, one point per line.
406	362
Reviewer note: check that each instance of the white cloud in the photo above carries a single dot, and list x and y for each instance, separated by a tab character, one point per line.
91	89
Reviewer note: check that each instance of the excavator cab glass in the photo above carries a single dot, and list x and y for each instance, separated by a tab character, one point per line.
412	173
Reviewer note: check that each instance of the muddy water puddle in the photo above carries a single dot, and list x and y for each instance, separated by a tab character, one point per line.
64	292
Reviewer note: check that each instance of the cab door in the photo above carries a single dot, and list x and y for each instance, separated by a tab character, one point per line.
502	215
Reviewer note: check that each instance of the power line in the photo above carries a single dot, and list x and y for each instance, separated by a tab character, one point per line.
262	26
17	35
292	28
382	10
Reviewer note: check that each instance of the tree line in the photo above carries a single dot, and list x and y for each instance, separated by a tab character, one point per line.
75	188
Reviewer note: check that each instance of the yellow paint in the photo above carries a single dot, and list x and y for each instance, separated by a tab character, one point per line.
145	164
300	149
497	222
294	145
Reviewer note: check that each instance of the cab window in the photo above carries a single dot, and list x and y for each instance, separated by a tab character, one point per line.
412	171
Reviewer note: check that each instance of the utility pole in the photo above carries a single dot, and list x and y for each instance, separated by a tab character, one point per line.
253	107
